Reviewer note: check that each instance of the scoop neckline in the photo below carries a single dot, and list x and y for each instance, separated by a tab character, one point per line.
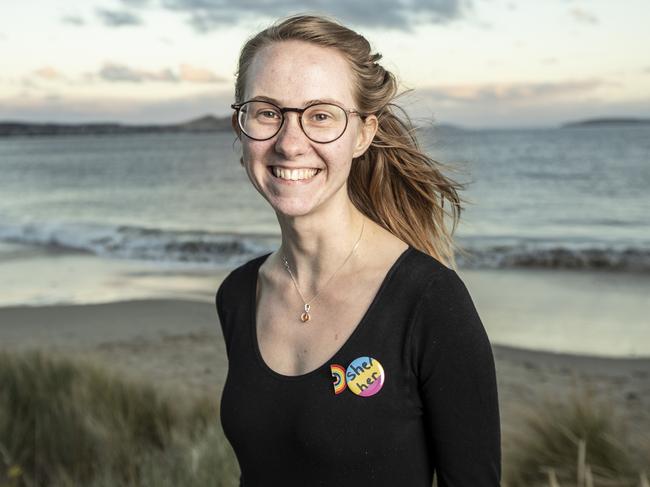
361	325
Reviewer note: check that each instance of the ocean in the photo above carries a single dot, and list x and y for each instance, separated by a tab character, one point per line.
558	200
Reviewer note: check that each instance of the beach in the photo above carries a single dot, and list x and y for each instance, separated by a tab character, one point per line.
176	345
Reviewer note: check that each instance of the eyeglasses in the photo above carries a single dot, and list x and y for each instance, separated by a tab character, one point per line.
320	122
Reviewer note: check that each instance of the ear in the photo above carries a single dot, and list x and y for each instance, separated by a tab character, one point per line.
366	135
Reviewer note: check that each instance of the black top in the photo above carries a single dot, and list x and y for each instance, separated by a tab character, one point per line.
436	410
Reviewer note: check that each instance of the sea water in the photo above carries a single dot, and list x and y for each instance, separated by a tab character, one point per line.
558	201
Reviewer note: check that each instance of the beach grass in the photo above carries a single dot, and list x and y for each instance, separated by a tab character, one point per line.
577	441
65	423
70	422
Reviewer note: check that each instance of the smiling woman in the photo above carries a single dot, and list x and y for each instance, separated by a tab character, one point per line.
356	355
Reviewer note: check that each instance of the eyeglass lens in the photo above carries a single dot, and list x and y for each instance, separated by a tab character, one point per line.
321	123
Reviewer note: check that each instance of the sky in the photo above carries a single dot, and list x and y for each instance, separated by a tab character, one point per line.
473	63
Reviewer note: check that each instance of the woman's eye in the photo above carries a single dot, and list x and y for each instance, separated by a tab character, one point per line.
267	114
320	117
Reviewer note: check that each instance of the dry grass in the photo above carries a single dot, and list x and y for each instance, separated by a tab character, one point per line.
578	442
67	423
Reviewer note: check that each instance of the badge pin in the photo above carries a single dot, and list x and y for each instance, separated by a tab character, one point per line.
338	376
364	376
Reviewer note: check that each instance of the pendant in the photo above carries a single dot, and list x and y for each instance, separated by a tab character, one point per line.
305	316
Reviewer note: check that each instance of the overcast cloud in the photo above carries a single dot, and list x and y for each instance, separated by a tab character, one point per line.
207	15
117	18
115	72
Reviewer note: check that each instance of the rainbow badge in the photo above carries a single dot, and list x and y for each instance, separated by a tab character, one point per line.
338	376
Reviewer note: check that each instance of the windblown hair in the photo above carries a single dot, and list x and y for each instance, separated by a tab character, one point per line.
394	183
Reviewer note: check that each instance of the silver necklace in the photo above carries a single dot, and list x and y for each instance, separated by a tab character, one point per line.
305	316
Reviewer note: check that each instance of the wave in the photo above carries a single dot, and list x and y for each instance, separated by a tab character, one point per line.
134	242
230	249
553	254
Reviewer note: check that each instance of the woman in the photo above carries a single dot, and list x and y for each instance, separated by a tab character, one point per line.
356	357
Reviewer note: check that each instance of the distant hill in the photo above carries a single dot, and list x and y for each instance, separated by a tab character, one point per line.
607	121
207	123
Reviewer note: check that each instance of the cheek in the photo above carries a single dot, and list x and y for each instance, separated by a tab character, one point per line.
253	151
339	152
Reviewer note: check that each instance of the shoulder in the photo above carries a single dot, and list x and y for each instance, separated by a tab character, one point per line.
419	267
422	274
428	262
445	304
428	288
436	283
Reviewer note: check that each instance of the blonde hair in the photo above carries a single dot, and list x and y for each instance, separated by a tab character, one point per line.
394	183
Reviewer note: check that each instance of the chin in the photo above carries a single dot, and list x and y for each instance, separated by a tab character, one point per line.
292	210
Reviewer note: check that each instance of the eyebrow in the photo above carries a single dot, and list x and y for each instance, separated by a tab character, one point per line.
309	102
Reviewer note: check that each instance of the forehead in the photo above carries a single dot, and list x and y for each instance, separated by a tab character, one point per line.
294	72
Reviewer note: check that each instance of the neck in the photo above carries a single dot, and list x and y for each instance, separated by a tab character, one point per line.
316	245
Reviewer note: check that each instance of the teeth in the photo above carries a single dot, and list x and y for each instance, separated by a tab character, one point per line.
293	174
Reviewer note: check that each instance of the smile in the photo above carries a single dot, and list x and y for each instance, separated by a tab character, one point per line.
294	176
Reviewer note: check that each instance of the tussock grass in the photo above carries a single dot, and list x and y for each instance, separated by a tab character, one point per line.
67	423
576	442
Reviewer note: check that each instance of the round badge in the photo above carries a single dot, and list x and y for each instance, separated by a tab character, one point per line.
338	378
365	376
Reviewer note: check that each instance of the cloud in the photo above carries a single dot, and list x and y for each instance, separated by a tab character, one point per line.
583	16
73	20
120	72
426	110
46	108
116	18
136	3
48	73
199	75
116	72
208	15
511	93
52	97
27	84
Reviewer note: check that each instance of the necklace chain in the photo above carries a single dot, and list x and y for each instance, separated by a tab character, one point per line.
305	316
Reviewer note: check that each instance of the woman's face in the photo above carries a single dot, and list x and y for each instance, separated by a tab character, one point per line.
293	73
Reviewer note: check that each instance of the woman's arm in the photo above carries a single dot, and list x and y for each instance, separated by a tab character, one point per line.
456	375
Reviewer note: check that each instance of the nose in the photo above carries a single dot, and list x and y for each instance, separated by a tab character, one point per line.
291	141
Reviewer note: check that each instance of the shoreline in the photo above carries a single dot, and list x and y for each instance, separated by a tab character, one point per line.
569	312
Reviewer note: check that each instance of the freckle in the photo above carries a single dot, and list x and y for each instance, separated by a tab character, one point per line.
336	336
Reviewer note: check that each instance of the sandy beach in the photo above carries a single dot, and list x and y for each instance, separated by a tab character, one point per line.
177	345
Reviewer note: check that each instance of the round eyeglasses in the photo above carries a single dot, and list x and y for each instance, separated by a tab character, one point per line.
321	122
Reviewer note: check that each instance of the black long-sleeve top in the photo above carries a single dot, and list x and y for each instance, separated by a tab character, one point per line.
436	410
